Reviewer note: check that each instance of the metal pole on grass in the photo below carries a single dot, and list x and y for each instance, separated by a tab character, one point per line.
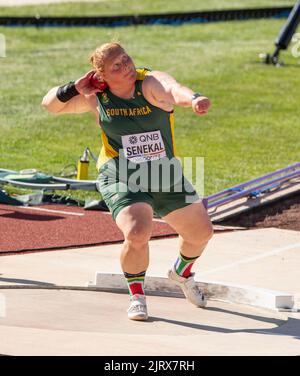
285	36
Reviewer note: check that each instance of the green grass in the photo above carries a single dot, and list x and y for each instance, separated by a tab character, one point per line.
113	7
252	128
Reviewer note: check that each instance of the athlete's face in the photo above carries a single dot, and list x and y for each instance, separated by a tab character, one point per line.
119	68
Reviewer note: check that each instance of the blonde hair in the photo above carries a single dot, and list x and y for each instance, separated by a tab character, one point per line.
99	56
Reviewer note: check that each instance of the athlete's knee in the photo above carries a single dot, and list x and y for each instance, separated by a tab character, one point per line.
200	234
136	223
207	231
138	229
138	233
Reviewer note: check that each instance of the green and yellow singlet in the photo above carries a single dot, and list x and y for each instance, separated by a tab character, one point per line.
144	132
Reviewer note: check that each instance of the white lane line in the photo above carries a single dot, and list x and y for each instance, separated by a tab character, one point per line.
51	211
254	258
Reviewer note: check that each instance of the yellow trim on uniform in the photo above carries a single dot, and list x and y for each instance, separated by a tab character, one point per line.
107	151
141	73
173	133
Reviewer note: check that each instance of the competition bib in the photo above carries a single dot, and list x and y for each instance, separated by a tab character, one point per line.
143	147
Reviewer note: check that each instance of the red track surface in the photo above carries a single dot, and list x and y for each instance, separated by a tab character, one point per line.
26	229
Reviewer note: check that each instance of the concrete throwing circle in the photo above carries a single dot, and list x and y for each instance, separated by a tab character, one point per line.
41	321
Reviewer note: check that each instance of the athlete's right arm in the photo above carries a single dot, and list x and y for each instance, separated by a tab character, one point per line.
78	104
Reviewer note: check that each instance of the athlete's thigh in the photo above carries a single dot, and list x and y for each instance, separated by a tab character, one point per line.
190	220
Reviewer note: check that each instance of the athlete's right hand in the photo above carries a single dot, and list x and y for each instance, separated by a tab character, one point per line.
84	86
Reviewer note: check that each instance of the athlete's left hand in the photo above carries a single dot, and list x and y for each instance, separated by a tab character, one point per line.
201	105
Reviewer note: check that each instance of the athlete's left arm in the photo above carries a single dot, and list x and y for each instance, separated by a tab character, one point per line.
162	90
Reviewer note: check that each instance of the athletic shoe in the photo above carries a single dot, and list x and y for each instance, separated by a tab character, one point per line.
138	308
189	288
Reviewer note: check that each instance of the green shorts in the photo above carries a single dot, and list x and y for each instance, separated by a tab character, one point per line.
117	196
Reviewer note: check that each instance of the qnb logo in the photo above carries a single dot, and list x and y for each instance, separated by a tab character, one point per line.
2	306
296	47
133	140
2	46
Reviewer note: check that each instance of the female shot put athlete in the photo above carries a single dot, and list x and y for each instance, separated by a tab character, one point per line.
134	108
